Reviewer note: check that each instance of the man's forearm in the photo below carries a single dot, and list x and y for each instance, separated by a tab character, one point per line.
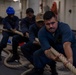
68	51
49	54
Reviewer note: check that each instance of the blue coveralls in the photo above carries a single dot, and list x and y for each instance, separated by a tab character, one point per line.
29	48
48	40
8	23
24	25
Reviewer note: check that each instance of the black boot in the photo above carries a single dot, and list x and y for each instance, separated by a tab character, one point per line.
54	72
53	68
35	71
13	58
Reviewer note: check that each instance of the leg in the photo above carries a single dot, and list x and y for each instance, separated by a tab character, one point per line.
40	60
28	50
53	67
3	42
15	42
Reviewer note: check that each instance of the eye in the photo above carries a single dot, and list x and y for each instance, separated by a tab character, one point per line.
47	23
52	22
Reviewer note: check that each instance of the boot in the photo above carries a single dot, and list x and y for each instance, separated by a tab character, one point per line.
14	58
53	68
35	71
54	72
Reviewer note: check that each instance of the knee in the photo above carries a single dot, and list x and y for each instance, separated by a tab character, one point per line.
36	54
24	49
14	39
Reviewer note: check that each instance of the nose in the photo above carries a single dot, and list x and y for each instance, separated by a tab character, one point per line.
50	25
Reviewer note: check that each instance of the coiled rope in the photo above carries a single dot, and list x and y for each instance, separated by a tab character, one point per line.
22	63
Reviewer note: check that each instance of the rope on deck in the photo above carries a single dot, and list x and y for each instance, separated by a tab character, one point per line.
24	73
11	65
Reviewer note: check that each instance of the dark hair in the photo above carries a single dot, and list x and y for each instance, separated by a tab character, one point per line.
48	15
29	10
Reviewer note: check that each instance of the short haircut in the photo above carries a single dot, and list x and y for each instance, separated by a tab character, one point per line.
48	15
29	10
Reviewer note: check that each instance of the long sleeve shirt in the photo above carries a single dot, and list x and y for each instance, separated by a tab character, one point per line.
9	23
26	23
33	32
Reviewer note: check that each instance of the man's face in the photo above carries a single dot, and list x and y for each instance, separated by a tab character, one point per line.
51	24
30	15
40	24
11	15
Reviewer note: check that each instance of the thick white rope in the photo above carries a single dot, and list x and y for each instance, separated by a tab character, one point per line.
64	60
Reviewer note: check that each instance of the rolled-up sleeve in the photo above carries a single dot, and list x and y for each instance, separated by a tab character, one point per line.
67	34
43	40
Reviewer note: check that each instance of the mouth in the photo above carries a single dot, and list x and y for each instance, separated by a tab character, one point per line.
52	30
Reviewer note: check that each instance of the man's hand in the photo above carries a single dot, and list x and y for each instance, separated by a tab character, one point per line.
13	30
56	58
50	55
70	60
27	34
68	50
36	42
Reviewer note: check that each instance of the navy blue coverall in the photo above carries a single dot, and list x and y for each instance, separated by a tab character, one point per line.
8	23
29	48
48	40
24	25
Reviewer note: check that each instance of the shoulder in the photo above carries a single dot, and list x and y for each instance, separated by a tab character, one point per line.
33	26
42	31
24	19
16	17
63	26
5	19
